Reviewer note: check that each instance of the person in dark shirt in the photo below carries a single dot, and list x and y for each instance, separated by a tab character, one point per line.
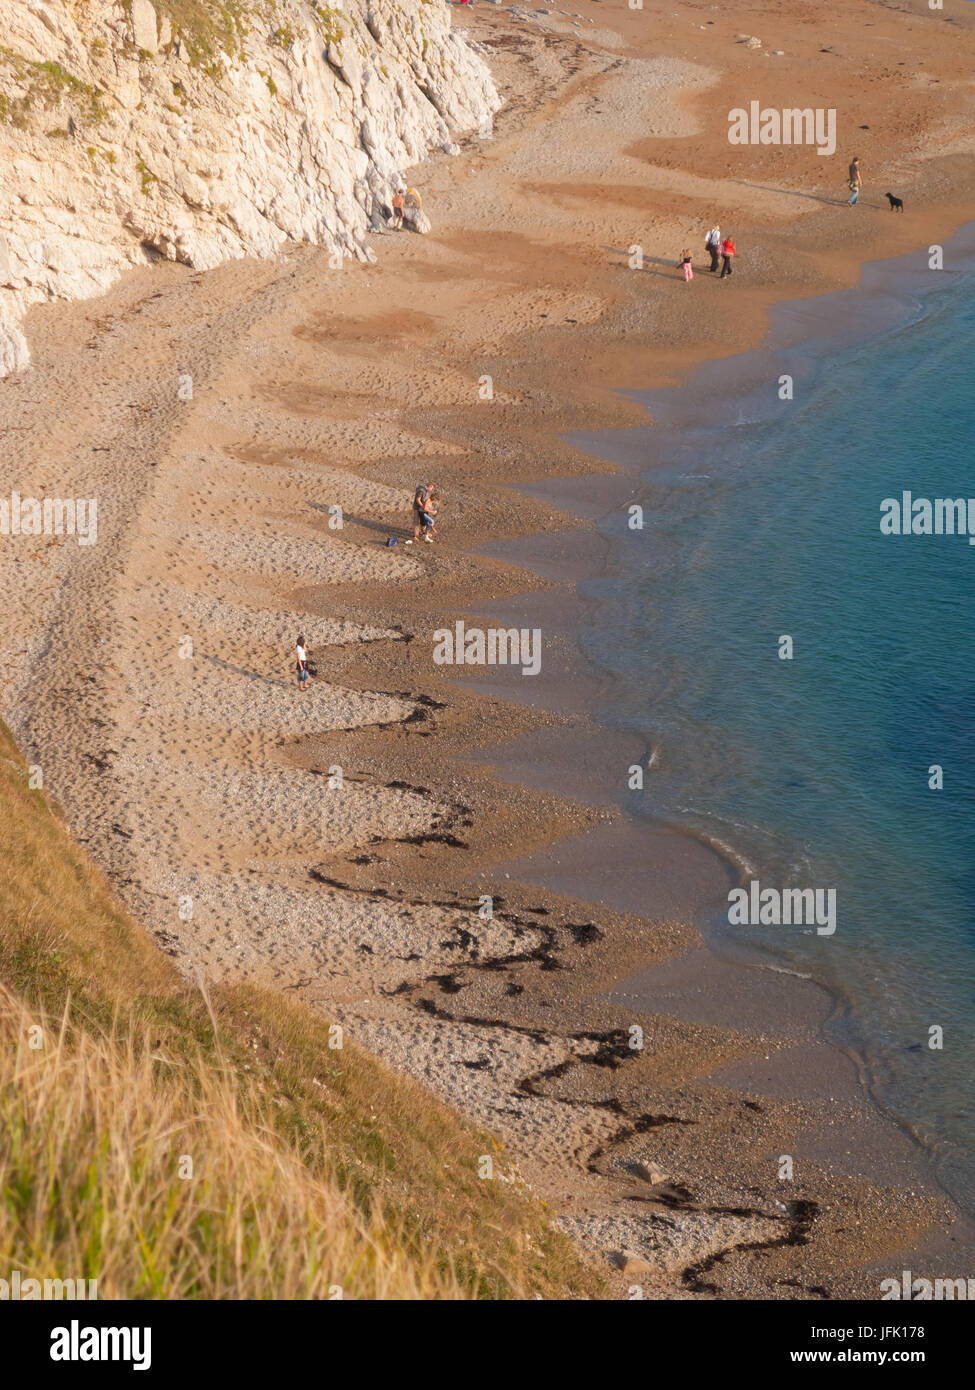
420	498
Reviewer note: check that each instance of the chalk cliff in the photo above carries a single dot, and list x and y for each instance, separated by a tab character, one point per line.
201	130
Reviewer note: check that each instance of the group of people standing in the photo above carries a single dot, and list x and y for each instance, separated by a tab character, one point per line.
721	250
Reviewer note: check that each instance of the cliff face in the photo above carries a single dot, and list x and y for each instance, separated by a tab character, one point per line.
202	130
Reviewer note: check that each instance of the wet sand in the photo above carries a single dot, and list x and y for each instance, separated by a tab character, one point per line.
653	870
803	336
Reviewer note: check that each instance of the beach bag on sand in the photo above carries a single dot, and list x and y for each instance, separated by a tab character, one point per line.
391	540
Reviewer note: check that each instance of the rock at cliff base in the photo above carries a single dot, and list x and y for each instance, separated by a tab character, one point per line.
14	353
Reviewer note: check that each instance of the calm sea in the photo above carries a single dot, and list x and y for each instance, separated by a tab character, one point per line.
815	771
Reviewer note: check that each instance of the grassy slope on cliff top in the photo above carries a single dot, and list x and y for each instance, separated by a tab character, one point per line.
173	1145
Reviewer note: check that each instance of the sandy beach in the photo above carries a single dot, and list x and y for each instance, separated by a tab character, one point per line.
340	844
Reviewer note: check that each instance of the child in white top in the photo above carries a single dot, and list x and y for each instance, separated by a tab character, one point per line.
301	664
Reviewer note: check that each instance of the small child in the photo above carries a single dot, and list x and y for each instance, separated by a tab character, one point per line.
685	263
301	664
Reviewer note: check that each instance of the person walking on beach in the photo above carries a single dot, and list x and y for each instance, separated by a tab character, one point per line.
420	498
856	182
686	264
301	664
728	252
712	245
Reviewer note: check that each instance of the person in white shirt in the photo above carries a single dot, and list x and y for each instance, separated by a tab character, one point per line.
301	664
712	244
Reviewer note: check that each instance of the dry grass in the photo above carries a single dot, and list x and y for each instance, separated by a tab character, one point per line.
153	1175
312	1169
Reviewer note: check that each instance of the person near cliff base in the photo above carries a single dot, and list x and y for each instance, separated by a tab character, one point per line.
399	210
728	253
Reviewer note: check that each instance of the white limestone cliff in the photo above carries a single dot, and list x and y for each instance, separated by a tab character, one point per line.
202	130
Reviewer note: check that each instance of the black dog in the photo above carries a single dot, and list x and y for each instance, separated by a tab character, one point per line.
896	204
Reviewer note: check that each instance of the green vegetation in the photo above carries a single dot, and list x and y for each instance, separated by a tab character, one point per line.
176	1144
327	23
209	29
48	85
148	177
93	154
210	32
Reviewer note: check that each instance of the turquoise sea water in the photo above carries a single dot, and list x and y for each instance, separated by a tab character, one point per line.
815	771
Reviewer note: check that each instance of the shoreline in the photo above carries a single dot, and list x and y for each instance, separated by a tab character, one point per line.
312	388
676	984
895	293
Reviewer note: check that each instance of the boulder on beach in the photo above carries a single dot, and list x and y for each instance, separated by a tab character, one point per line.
649	1173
